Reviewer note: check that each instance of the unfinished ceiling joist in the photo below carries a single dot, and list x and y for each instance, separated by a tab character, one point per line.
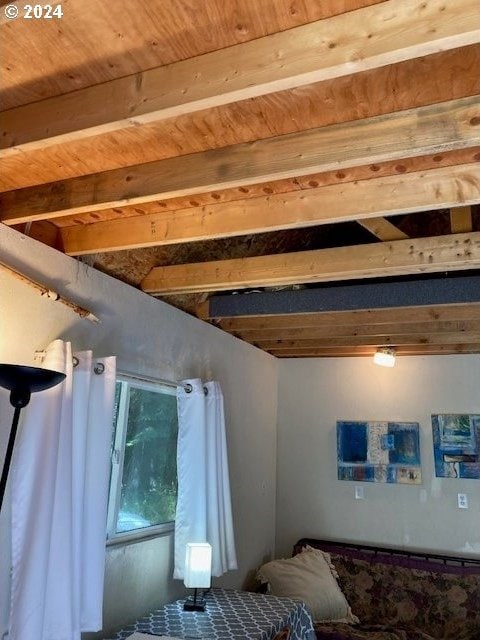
402	257
373	319
395	328
411	133
391	32
288	185
371	341
448	75
383	229
418	191
409	350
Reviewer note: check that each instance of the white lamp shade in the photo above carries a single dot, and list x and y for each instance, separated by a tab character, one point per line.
198	565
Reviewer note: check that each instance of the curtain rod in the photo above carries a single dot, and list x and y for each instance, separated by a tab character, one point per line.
99	369
168	383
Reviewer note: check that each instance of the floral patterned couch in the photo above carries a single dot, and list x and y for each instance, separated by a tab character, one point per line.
398	596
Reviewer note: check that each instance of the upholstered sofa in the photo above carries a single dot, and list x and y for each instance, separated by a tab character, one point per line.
402	596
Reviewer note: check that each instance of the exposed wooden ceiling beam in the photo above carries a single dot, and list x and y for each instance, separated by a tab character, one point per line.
422	255
329	48
448	75
376	318
410	350
419	191
383	229
358	331
383	340
414	132
298	183
461	219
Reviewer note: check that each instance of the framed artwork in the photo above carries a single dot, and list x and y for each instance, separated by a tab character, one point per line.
456	445
379	452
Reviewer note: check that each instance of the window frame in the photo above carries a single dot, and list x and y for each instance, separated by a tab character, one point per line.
117	462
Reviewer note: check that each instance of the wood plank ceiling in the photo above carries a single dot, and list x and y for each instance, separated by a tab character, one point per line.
191	147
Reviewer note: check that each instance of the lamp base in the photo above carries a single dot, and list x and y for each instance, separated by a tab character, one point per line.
194	603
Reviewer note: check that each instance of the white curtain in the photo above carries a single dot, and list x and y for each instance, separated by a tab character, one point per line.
59	480
204	512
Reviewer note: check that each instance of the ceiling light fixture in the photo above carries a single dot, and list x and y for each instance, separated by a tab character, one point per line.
385	357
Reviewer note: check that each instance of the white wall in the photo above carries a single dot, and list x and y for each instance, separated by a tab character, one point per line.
152	338
313	395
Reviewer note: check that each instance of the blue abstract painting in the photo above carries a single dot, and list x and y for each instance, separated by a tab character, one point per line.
379	452
456	445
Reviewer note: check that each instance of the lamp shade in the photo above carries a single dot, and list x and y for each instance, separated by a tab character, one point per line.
34	379
22	381
198	565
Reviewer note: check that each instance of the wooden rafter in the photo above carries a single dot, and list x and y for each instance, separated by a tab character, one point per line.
378	318
416	132
418	191
372	341
444	76
422	255
310	53
372	330
407	350
298	183
383	229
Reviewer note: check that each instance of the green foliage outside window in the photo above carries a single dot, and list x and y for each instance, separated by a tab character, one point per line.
149	478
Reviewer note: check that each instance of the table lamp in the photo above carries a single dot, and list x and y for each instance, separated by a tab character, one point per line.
22	381
198	572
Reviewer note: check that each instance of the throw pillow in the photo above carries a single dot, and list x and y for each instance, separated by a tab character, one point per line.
311	577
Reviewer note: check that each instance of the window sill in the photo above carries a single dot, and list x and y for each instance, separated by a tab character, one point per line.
141	535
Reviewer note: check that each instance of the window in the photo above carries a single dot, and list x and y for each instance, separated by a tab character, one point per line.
143	485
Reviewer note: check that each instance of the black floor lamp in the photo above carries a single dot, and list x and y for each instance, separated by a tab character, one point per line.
22	381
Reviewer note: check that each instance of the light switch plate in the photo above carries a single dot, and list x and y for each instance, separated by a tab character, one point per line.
462	501
359	494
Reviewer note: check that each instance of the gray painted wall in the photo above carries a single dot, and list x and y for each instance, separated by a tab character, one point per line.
151	338
313	395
